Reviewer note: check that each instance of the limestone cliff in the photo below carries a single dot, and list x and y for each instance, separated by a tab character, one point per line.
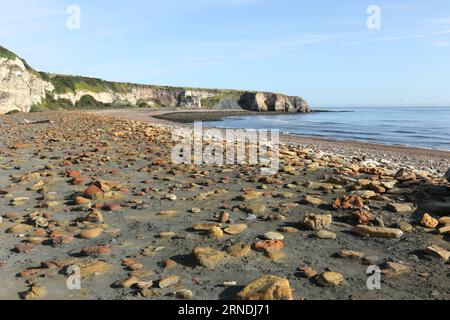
24	89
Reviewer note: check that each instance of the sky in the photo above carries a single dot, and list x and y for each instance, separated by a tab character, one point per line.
320	50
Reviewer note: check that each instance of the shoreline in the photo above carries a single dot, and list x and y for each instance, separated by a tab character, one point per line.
417	157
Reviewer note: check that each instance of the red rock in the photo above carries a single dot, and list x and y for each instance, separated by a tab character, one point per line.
24	247
128	262
169	264
58	238
224	217
112	207
78	181
92	190
349	202
95	251
269	245
73	173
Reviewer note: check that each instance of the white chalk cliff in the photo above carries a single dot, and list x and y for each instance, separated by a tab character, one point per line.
21	88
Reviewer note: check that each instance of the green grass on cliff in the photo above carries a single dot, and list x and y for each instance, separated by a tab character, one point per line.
5	53
64	84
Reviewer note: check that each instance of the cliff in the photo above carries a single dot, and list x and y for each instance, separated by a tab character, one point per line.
24	89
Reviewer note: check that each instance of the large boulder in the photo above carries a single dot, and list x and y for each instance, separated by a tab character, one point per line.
263	102
447	175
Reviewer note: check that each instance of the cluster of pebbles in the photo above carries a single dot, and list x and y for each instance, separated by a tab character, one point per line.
99	198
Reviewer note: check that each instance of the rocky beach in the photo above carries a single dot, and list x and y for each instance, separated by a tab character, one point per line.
96	194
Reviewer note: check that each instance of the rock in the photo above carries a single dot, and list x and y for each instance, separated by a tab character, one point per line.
206	226
307	272
20	228
24	247
224	217
239	250
95	216
317	222
351	254
58	238
444	230
184	294
249	196
169	281
171	197
325	234
35	292
327	279
377	232
288	230
313	201
269	245
167	213
273	236
363	217
95	251
266	288
196	210
208	257
169	264
144	284
349	202
81	201
428	221
94	268
365	194
444	221
92	190
235	229
405	226
126	283
91	233
110	195
439	252
257	209
216	233
167	235
150	293
400	208
447	175
112	207
392	269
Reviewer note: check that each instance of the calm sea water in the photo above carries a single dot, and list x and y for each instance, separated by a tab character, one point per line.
427	127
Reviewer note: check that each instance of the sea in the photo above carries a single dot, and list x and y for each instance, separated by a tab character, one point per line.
425	127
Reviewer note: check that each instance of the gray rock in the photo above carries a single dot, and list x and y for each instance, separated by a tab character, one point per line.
447	175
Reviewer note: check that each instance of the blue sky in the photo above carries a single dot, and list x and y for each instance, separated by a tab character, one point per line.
321	50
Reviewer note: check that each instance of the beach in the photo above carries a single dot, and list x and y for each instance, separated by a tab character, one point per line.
97	192
419	158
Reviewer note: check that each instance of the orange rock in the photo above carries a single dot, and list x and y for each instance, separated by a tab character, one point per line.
92	190
349	202
269	245
429	222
